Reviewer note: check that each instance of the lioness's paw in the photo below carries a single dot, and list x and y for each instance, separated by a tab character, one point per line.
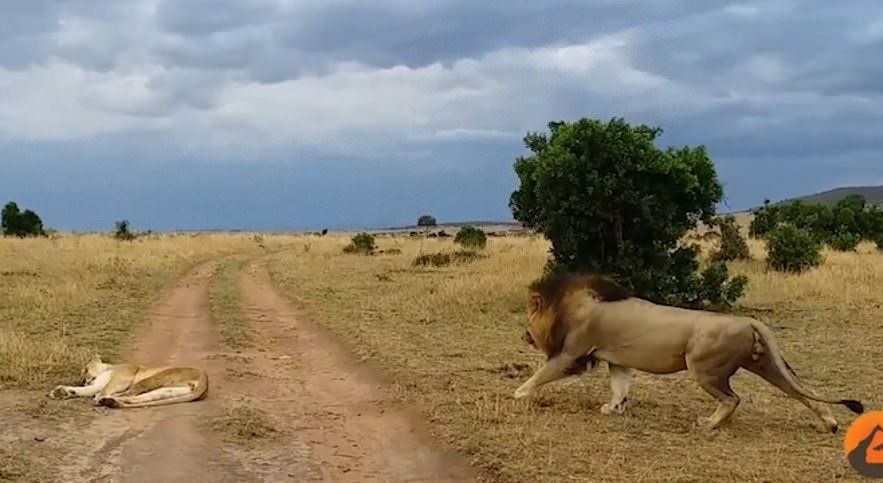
60	392
522	393
108	401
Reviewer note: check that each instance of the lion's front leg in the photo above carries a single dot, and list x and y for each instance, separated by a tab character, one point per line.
552	370
620	379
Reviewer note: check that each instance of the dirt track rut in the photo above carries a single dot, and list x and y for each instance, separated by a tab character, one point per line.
334	421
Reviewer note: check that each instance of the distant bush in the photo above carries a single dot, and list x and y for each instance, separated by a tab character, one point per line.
878	240
792	249
426	220
444	259
363	243
732	244
850	214
844	242
471	237
122	231
20	223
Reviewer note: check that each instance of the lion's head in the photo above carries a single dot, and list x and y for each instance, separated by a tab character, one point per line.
552	299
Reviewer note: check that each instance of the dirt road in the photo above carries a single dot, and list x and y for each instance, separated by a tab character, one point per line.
332	420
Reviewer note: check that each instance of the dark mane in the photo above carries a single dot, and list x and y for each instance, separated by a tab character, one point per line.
553	287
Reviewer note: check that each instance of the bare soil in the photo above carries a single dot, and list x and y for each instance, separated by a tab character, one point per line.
327	415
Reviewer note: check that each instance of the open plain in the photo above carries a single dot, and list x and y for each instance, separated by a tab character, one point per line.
337	366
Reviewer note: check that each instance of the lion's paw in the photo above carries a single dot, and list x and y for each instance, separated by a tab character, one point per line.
522	393
608	408
60	392
705	423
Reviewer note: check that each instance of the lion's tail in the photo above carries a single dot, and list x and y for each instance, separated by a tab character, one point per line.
781	365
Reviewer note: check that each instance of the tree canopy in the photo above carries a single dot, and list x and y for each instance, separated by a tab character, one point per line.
611	202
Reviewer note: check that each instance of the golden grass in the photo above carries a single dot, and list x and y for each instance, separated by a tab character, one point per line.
225	305
451	338
66	297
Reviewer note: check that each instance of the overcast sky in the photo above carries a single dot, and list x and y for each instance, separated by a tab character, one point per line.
309	114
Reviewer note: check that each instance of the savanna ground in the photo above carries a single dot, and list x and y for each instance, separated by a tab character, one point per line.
450	340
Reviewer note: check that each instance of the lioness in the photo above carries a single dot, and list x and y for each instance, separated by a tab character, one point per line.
579	319
133	385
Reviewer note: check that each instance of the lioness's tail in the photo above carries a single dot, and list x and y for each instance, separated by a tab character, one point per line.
780	365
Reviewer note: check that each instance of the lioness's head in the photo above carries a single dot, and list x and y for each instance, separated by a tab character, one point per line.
91	370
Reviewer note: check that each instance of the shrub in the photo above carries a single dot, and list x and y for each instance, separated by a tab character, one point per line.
122	231
732	244
471	237
444	259
878	240
611	202
362	243
844	241
792	249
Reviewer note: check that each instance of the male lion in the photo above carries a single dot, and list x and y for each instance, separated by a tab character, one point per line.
134	386
579	319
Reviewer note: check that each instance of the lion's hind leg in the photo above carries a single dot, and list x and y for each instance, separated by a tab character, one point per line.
156	397
713	376
766	369
728	401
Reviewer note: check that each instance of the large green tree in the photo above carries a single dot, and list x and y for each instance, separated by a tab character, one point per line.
610	201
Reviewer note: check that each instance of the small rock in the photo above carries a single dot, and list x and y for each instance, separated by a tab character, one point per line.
40	438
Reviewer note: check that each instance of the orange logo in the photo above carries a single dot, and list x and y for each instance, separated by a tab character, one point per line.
864	444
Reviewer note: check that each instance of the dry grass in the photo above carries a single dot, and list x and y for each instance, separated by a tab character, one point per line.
243	423
225	308
451	338
67	297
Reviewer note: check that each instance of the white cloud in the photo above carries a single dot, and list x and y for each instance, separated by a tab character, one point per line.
349	109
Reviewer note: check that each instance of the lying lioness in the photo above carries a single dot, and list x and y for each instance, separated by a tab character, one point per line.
132	385
577	320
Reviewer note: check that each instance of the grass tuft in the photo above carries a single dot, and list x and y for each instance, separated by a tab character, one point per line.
243	423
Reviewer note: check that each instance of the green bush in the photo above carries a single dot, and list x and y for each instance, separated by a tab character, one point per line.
792	249
844	241
611	202
733	245
362	243
471	237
